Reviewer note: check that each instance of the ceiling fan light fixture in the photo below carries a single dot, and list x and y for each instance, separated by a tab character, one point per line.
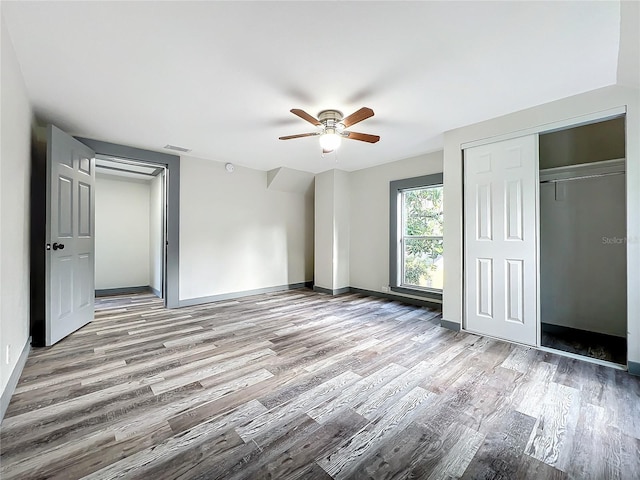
332	127
330	141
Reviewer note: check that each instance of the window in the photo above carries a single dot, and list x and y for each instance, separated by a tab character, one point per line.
416	236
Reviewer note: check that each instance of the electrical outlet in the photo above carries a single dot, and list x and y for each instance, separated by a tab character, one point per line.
7	357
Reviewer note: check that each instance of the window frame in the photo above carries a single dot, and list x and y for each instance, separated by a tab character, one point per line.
396	187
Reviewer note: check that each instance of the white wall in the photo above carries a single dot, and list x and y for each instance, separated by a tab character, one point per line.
535	118
237	235
156	209
15	168
629	54
342	229
369	218
332	230
122	232
323	225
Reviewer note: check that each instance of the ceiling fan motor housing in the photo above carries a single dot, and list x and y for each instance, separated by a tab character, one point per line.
330	120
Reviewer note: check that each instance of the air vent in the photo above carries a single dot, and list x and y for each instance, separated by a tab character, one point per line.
177	149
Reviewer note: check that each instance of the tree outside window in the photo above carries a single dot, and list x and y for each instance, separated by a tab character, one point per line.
422	245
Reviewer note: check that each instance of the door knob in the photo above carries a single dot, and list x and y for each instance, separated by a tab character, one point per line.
58	246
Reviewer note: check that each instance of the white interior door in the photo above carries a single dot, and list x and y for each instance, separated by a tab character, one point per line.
70	282
501	296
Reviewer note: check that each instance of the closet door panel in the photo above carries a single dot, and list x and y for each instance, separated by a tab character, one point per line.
501	240
484	216
514	293
484	287
514	212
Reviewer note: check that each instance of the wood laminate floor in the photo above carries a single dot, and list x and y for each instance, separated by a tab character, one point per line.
300	385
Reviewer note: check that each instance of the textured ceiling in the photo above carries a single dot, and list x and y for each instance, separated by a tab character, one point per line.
220	77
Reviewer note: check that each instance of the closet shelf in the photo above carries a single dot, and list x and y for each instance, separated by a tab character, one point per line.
583	170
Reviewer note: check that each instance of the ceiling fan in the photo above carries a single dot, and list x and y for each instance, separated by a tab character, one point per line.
331	127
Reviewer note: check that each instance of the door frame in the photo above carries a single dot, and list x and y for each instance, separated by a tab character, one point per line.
172	199
161	172
594	117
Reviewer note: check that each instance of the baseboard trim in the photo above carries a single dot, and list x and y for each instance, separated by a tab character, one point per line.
107	292
5	398
399	298
294	286
633	368
189	302
328	291
157	293
450	325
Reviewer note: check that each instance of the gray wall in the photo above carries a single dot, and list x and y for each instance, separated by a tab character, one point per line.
583	254
588	143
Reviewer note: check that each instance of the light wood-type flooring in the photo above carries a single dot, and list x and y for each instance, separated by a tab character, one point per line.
300	385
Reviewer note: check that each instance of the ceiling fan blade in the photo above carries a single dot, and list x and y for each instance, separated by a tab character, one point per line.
305	116
300	135
358	116
363	137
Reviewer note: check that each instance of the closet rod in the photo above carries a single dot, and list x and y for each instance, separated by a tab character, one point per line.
556	180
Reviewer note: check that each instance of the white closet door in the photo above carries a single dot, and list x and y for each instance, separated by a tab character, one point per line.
501	239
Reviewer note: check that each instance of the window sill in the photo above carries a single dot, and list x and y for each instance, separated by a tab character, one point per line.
418	292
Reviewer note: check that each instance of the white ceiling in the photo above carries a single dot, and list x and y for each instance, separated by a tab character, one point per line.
220	77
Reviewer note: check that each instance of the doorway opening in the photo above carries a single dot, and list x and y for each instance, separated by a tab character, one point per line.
172	199
131	227
583	295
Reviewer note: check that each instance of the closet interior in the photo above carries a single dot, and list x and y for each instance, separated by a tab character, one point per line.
583	293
